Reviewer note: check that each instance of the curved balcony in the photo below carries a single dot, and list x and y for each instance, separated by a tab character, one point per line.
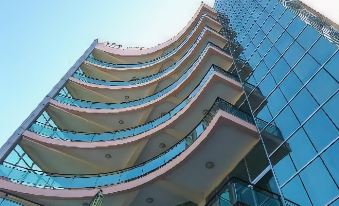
170	90
102	120
225	130
136	145
206	35
175	53
139	129
153	112
128	146
115	54
117	94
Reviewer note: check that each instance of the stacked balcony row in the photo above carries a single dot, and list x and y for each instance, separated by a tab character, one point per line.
135	122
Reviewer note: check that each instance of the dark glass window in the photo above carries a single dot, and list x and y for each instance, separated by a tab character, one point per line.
268	182
331	160
280	69
294	53
256	160
308	37
290	85
303	105
287	122
301	149
320	130
322	50
290	192
331	108
306	68
322	86
318	183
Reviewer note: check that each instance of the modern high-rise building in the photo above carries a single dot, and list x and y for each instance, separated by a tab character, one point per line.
240	108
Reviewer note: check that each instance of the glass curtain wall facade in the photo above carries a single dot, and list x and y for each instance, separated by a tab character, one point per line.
294	60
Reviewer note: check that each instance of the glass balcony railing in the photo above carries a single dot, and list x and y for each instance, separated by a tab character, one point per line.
7	199
40	179
8	202
81	76
165	55
55	133
237	192
167	90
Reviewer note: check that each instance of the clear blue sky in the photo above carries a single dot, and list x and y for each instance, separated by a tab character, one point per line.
40	41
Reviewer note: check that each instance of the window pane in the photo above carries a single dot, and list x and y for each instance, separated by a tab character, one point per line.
272	57
331	108
277	101
260	71
276	31
318	183
282	166
322	50
322	86
290	85
268	25
301	149
265	114
286	18
296	27
332	66
286	122
331	160
258	37
320	130
294	53
267	85
255	59
265	46
280	69
283	42
290	192
303	105
308	37
279	10
306	68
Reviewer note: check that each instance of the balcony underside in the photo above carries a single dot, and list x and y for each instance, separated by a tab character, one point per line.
117	94
113	55
138	71
224	142
131	150
102	120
